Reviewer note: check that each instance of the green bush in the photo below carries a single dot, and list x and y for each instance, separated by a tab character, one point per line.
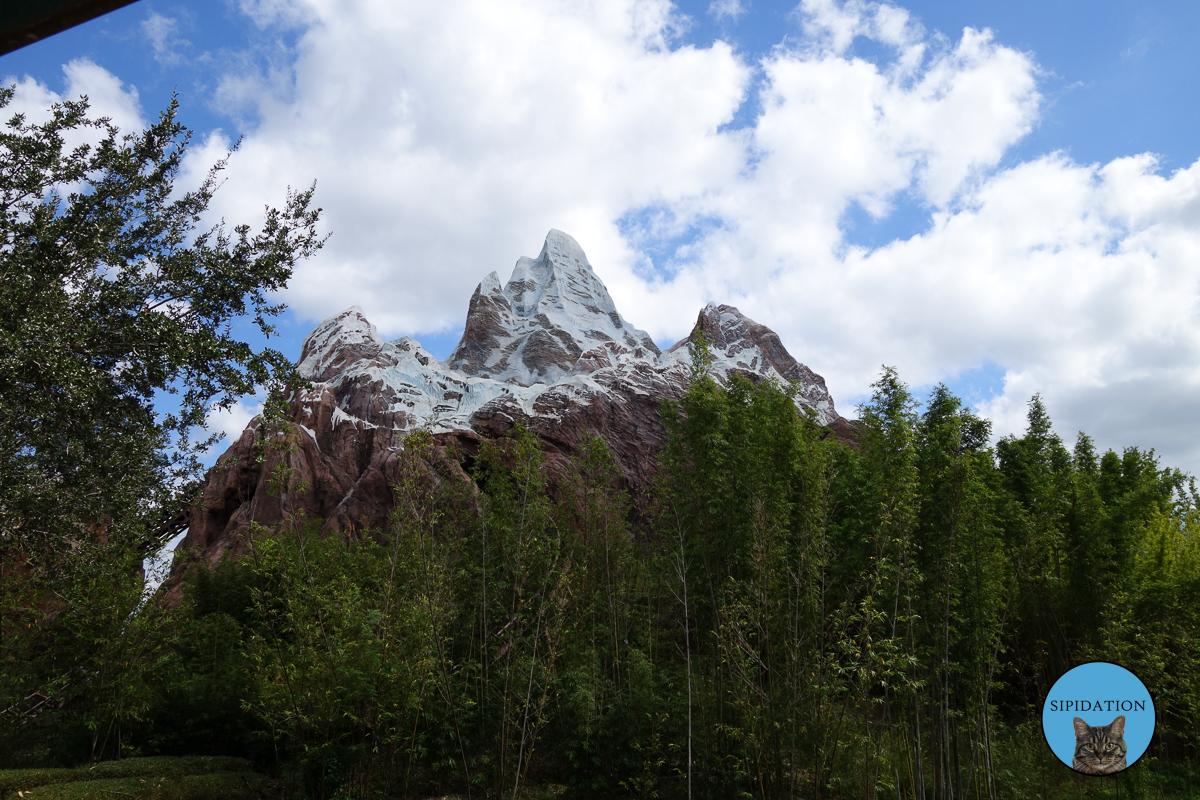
200	777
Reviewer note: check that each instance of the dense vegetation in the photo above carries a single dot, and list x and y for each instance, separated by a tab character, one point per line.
783	616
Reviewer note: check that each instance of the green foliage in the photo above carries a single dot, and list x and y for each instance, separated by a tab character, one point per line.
525	572
608	698
341	651
96	659
207	684
1152	625
219	786
333	647
961	612
109	298
953	584
742	529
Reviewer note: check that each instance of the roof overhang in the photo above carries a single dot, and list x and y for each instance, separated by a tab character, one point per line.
24	22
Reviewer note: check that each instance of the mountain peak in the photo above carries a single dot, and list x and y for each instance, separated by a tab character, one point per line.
490	284
338	342
739	344
563	248
552	309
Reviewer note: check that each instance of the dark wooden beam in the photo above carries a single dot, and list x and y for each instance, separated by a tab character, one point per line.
24	22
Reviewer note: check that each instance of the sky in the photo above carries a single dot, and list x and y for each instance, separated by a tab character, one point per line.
1000	196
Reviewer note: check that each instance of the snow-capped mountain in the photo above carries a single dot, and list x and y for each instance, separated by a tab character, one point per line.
550	312
551	331
548	349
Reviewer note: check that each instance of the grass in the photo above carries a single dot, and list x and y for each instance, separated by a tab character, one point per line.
161	778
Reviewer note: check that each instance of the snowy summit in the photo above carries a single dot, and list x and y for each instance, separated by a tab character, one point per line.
548	339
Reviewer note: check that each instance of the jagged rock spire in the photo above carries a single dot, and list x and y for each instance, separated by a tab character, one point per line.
338	342
535	327
739	344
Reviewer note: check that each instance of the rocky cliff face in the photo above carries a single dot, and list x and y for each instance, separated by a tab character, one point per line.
548	349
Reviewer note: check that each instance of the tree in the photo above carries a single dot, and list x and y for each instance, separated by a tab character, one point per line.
961	612
1036	469
110	298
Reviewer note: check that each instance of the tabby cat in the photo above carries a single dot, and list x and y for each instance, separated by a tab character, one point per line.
1100	750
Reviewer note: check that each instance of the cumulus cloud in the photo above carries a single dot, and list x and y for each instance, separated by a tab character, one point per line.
107	95
838	130
447	138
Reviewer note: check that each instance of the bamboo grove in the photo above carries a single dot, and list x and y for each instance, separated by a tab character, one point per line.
782	616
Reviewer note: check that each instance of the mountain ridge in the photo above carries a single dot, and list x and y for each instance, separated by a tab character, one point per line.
547	350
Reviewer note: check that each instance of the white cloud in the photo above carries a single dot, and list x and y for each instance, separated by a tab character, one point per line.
107	96
832	26
727	9
447	138
164	39
277	13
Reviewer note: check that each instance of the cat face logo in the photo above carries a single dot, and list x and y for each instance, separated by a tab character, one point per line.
1100	749
1098	718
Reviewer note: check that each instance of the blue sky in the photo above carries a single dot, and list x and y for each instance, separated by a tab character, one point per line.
1010	209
